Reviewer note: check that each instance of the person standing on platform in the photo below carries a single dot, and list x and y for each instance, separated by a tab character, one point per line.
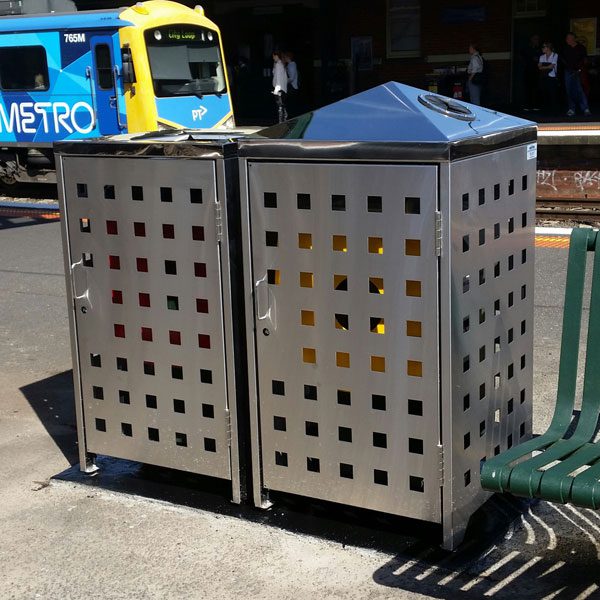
280	86
475	75
548	67
573	58
293	86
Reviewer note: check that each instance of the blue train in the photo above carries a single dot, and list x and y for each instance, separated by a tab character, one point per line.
156	65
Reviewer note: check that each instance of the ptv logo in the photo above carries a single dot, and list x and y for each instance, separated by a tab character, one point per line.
198	113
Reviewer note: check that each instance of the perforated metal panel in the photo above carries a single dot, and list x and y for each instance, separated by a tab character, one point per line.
149	296
346	287
490	352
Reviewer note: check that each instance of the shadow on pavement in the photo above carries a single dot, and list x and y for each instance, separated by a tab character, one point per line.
53	402
34	191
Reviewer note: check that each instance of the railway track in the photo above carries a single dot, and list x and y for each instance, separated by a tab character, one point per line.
577	210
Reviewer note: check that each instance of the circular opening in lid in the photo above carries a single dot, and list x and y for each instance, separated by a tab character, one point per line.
447	106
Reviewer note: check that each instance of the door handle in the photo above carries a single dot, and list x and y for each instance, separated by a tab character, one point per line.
265	306
81	299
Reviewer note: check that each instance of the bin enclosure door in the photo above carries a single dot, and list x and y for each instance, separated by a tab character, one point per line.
146	282
346	291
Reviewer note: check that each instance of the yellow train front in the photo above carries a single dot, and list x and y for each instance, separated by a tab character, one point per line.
173	69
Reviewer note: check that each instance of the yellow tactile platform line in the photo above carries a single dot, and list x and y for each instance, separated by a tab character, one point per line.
28	212
552	241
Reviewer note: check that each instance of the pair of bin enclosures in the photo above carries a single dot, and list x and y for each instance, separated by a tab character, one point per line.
348	321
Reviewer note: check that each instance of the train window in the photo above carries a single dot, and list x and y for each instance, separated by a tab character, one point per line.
104	67
24	68
185	61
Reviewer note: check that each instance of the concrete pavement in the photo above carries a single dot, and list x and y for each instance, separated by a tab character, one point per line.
134	533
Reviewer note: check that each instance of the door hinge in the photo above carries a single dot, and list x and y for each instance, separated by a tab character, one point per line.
228	425
440	449
218	222
438	233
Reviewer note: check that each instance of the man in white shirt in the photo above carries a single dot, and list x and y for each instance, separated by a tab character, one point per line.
280	87
547	66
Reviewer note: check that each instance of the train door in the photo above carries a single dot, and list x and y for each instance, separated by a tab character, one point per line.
105	85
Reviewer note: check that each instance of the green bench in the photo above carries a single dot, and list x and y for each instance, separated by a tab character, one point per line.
557	466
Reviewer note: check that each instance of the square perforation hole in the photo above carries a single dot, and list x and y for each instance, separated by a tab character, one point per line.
85	225
465	243
313	465
198	233
511	187
378	402
112	228
305	241
139	229
97	392
87	259
119	330
467	477
153	434
344	397
127	429
270	200
144	300
415	446
109	192
179	406
510	335
279	423
344	434
208	411
466	402
176	372
82	190
100	425
137	193
272	239
466	440
199	269
149	368
379	439
117	296
114	262
95	360
202	305
311	428
346	471
181	439
141	264
416	484
412	205
281	458
339	243
204	341
151	401
415	408
481	195
496	230
310	392
196	195
146	334
170	267
497	191
172	303
168	231
124	397
210	445
524	182
465	201
374	204
206	376
380	477
166	194
524	219
278	387
511	225
481	237
412	247
303	201
338	202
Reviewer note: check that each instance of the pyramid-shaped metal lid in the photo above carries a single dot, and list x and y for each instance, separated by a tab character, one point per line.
398	115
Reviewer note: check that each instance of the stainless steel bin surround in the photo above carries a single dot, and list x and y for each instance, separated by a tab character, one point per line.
389	244
147	260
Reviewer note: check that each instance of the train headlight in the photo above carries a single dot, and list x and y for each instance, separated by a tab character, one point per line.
157	35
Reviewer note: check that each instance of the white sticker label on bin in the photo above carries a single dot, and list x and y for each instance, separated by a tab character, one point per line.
531	151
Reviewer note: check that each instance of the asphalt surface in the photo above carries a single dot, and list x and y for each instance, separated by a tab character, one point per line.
145	533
